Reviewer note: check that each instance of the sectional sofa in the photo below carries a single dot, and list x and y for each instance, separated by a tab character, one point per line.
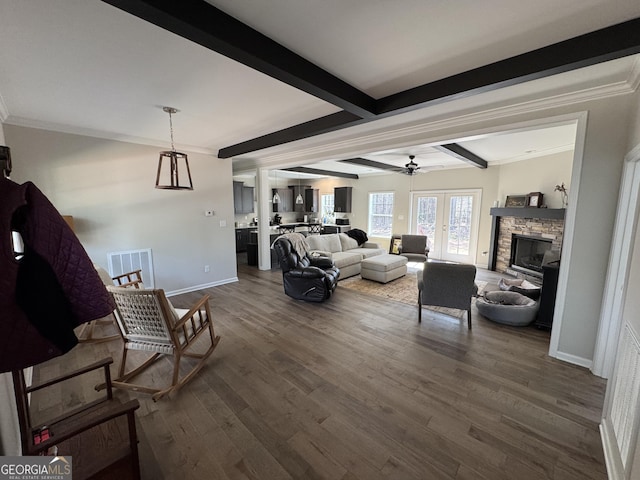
344	250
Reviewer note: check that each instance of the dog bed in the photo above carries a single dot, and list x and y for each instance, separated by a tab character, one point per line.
508	308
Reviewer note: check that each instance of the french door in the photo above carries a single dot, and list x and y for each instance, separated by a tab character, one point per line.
449	219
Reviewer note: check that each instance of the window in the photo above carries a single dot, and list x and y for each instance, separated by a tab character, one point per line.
327	205
380	214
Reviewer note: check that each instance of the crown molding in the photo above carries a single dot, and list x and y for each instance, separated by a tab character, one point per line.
634	75
404	135
88	132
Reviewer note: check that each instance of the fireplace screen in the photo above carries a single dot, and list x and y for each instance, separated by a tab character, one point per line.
527	253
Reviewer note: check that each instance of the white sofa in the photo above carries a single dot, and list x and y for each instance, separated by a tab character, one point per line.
344	251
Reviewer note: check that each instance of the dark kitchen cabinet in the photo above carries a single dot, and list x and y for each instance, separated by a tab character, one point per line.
298	190
247	200
237	197
242	198
242	239
342	199
286	200
311	200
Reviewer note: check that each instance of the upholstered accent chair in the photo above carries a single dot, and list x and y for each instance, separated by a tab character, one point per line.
449	285
414	247
304	276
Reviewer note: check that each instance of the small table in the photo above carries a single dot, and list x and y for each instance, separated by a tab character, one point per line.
384	268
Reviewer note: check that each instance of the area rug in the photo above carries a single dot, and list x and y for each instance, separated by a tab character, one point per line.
403	289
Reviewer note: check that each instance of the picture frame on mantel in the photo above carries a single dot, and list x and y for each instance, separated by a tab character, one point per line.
534	199
516	201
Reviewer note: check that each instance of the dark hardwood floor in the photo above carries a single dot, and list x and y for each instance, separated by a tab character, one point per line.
355	388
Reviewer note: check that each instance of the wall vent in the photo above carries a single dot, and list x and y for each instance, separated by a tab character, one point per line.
126	261
625	413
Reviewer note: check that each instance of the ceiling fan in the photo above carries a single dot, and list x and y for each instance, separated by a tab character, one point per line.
410	168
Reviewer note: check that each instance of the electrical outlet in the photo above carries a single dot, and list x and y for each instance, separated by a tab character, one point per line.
223	223
206	269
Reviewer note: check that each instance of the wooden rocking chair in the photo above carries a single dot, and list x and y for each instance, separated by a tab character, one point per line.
100	435
148	322
87	332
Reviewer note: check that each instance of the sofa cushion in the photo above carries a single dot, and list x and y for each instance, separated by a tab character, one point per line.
370	252
325	243
344	259
347	242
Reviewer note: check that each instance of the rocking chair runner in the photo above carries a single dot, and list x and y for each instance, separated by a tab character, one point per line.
148	322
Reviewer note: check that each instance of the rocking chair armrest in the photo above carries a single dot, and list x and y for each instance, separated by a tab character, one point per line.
104	363
128	279
191	313
95	416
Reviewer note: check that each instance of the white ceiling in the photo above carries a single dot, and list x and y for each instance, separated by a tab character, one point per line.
83	66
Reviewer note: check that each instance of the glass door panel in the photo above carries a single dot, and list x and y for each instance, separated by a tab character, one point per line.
458	230
426	213
450	222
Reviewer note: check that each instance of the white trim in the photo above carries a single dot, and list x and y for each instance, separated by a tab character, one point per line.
615	471
618	270
89	132
195	288
408	133
568	236
569	358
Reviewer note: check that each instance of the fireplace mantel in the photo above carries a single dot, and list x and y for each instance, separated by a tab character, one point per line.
518	212
528	212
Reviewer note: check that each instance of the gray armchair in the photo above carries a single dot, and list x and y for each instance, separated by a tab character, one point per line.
447	285
414	247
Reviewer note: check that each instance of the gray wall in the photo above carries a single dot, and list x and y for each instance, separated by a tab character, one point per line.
108	187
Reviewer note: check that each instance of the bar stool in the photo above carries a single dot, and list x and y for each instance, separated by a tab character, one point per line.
315	228
286	229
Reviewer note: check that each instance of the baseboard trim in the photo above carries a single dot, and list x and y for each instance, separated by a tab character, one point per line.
612	458
195	288
567	357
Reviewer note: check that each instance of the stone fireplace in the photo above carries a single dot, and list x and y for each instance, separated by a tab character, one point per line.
534	223
528	253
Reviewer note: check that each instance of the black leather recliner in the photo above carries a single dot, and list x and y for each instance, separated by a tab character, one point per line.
312	279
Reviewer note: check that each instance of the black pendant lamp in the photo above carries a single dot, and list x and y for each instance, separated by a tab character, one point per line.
178	164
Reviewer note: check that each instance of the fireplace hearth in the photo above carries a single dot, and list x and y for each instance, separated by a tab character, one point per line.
527	253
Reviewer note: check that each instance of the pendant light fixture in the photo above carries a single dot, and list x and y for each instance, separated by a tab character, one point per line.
299	199
276	197
178	164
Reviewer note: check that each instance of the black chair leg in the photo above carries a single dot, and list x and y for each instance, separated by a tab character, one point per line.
469	318
419	309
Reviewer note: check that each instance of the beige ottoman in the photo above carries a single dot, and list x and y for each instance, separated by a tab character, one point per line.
384	268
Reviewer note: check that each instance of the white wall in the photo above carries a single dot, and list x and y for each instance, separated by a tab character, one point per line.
538	175
108	187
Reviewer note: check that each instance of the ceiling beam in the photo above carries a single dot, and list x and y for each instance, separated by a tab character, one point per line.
365	162
326	124
462	153
602	45
327	173
204	24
